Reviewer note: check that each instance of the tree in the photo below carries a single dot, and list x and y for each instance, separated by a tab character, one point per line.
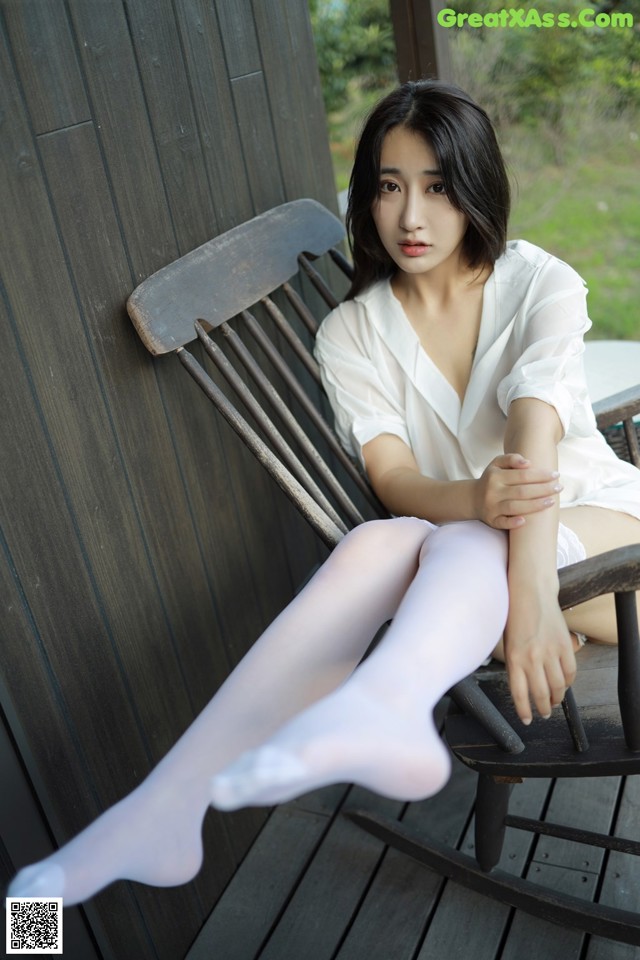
354	43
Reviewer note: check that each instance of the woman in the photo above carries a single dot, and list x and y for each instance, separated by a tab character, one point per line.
455	373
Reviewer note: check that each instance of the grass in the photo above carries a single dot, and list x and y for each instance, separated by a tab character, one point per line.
585	210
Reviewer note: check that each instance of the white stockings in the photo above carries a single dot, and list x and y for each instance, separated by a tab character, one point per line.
296	714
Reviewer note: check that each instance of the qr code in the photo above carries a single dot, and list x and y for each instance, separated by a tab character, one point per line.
34	926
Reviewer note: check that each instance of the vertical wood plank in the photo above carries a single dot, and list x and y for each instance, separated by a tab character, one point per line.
422	45
238	33
288	54
43	48
166	90
258	143
122	121
213	105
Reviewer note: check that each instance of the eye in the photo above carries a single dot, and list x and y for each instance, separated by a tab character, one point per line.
388	186
438	188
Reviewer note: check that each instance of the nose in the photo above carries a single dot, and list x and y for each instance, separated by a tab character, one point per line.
412	214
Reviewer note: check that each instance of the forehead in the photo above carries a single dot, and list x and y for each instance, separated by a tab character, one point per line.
407	149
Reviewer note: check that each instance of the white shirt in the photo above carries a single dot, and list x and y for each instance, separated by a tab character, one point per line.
379	379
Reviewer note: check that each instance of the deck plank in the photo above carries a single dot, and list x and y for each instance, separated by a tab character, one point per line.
404	893
465	917
562	865
258	893
331	890
621	885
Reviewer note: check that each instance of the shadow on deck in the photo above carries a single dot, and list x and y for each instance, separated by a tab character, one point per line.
315	886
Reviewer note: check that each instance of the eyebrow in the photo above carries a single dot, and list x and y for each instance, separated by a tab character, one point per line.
396	170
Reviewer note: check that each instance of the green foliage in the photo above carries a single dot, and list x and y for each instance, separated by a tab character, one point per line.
532	75
355	45
615	63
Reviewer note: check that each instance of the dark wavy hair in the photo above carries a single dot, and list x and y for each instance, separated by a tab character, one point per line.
473	172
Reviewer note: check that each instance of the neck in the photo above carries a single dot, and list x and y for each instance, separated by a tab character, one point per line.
440	285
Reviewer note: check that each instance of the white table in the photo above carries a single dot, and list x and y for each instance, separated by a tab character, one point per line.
611	366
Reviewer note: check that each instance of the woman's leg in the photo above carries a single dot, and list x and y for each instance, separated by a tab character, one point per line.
377	729
153	835
600	530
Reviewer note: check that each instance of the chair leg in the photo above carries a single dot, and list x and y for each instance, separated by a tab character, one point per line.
492	806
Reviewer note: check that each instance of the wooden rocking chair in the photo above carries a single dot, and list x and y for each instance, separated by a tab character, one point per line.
257	284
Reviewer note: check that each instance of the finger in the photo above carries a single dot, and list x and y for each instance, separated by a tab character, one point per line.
556	681
540	691
510	514
520	508
531	482
569	666
520	694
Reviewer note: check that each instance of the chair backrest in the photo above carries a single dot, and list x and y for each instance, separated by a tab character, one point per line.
245	296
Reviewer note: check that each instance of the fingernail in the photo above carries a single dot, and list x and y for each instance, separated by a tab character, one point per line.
558	487
555	474
549	501
526	721
546	716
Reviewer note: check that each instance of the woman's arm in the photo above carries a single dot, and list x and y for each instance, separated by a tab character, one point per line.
538	649
514	495
508	490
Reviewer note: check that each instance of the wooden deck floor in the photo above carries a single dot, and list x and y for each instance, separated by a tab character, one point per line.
316	887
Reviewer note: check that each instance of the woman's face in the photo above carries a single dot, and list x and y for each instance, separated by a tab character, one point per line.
417	225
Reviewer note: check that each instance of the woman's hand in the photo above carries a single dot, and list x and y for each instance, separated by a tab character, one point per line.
510	489
538	651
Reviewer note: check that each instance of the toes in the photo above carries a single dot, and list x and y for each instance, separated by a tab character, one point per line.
38	881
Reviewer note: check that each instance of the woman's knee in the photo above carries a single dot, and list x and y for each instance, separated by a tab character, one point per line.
465	533
379	539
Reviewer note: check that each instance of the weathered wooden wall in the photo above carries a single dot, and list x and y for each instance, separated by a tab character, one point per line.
141	549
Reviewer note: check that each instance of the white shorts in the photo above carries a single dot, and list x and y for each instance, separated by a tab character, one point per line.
570	547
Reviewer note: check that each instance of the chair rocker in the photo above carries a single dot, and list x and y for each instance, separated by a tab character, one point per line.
258	286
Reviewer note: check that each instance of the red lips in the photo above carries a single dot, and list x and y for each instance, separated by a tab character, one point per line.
414	248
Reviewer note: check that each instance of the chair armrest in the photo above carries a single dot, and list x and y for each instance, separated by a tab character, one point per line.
618	407
616	571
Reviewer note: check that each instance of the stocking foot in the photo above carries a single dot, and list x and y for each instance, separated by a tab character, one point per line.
346	737
152	836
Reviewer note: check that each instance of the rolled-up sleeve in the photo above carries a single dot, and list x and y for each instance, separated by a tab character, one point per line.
365	402
549	340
